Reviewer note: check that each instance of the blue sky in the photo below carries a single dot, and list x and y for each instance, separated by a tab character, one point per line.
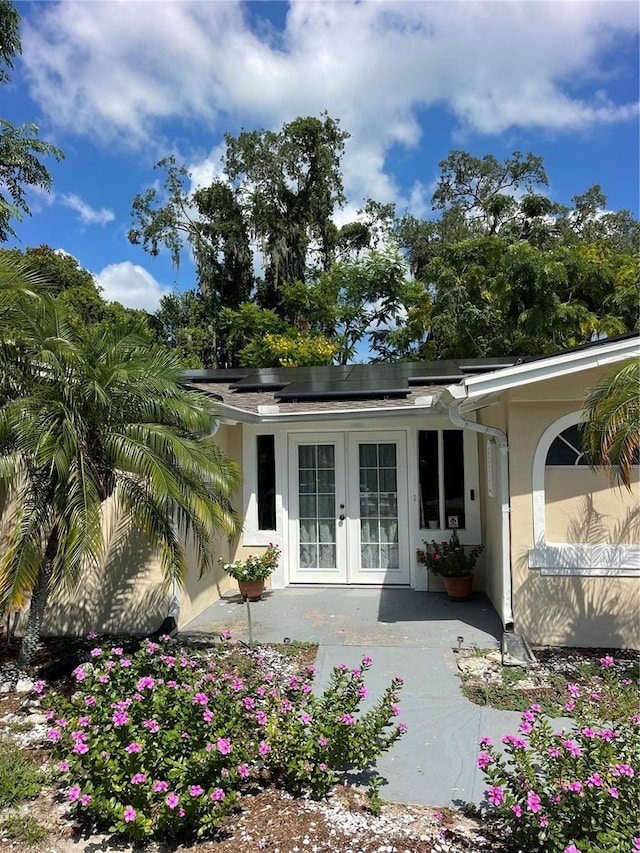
119	85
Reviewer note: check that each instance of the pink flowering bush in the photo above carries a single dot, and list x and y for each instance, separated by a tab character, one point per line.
160	742
574	791
326	734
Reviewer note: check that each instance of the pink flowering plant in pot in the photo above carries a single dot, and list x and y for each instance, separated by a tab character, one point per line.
449	559
575	790
159	741
255	567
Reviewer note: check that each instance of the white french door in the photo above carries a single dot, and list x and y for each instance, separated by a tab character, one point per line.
348	511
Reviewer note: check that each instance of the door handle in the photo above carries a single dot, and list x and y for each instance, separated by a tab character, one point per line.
341	518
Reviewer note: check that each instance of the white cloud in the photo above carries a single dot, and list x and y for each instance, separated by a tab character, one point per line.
88	215
131	285
117	71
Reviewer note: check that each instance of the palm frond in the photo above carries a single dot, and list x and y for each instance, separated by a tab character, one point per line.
610	423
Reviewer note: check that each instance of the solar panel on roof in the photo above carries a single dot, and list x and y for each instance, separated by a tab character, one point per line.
221	374
344	389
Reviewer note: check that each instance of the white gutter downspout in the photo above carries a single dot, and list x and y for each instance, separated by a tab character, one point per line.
503	448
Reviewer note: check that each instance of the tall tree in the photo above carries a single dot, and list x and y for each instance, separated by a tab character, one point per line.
85	419
611	423
290	183
21	149
486	190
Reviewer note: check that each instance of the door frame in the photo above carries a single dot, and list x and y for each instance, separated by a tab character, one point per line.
348	493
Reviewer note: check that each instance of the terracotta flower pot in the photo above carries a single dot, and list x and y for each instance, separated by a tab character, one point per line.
251	590
459	588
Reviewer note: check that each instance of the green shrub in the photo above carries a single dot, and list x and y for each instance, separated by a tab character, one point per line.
160	742
574	791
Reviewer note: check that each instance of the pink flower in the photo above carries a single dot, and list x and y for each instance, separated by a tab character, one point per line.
572	747
117	651
533	801
217	794
363	692
146	682
574	690
395	710
236	684
525	727
485	741
571	849
224	747
74	793
517	810
53	734
243	770
138	778
120	718
495	795
594	781
264	748
484	760
64	766
606	661
133	747
553	751
348	719
402	727
80	748
38	687
200	699
151	725
160	786
322	741
570	705
129	814
588	733
544	821
622	770
172	801
207	716
79	673
96	653
613	792
607	734
125	662
195	791
85	799
226	634
249	702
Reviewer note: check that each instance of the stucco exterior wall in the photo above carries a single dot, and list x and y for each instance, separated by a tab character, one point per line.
126	592
200	592
571	610
602	514
495	416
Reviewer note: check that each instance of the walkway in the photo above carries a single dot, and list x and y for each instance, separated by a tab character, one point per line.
406	633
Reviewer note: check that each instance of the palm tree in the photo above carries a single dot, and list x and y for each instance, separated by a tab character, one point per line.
611	423
84	418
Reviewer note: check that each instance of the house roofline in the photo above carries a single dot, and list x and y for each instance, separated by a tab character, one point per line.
600	353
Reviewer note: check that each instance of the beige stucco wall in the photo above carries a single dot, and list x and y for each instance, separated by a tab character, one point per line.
602	514
200	592
576	610
495	416
126	592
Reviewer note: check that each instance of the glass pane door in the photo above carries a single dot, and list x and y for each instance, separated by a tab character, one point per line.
317	502
318	534
378	471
